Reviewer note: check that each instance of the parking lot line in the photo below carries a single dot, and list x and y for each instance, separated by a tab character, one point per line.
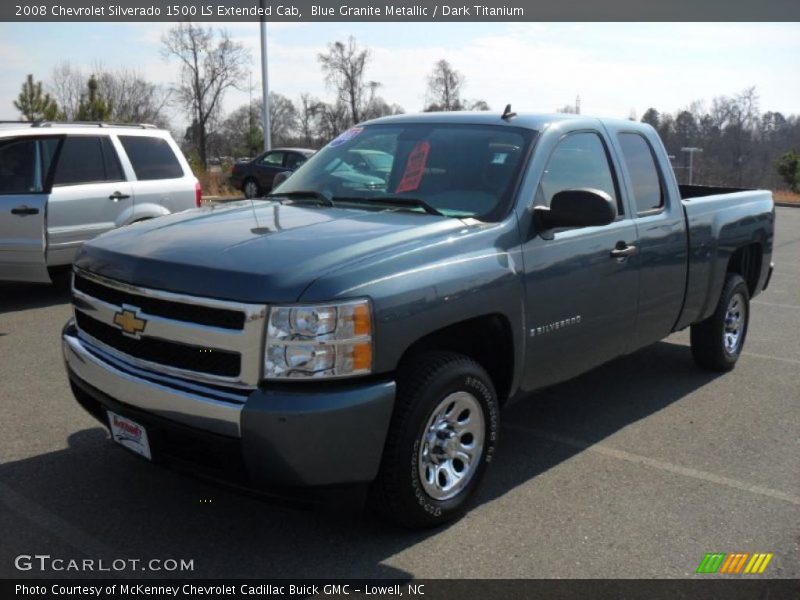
791	361
63	530
775	304
658	464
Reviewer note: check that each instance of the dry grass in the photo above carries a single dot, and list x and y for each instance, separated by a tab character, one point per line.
784	196
215	183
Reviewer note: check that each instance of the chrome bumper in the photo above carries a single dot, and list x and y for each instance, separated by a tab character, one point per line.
194	405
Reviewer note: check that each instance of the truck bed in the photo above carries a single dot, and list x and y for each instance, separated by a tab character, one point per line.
721	221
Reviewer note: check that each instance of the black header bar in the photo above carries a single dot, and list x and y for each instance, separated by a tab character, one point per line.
399	10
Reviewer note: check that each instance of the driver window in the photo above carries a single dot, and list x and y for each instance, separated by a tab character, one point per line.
579	161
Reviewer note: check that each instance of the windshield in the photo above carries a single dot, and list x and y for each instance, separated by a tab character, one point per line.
458	170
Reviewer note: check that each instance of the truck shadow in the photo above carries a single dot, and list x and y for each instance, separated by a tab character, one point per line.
119	503
22	296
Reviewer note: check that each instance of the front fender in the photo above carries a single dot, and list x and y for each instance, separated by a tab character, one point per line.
138	212
418	292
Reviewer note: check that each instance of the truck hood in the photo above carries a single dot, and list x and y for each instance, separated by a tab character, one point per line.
253	252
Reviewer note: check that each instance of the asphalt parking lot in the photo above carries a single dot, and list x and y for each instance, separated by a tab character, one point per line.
636	469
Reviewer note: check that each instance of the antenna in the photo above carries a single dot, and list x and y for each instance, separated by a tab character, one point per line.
507	113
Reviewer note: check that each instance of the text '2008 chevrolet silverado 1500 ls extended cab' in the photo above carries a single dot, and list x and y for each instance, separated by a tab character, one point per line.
368	326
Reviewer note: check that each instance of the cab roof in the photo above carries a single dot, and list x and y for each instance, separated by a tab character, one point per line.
534	121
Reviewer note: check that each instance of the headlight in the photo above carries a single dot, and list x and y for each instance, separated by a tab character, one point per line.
327	340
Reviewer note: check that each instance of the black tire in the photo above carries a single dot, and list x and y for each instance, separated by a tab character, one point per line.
709	347
422	385
258	190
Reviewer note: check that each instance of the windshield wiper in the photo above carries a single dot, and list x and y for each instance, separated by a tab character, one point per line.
397	201
302	195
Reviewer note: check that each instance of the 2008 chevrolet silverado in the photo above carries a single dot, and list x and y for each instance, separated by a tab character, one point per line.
368	324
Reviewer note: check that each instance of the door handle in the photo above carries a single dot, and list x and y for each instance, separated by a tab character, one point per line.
118	196
23	211
623	250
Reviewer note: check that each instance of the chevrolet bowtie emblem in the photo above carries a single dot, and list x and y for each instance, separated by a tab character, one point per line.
128	321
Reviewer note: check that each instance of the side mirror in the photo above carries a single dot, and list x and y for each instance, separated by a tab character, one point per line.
583	207
280	178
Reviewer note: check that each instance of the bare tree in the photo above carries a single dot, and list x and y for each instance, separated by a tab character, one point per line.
308	114
134	99
444	88
333	119
66	85
210	64
344	66
282	117
478	105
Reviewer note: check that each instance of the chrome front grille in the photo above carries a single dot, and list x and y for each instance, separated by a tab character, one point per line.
200	339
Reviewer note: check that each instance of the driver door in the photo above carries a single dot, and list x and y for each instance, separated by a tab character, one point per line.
24	166
581	300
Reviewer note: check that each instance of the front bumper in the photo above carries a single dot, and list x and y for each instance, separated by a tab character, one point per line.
299	434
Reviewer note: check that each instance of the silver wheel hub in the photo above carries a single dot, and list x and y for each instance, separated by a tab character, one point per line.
733	329
451	446
250	189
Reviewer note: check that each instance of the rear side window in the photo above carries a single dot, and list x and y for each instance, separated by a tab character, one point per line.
273	159
151	157
86	159
647	191
293	160
579	161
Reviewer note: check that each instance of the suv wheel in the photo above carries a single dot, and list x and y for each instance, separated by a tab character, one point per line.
717	341
251	189
442	437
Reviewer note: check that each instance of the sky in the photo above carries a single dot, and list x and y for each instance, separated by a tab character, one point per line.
617	69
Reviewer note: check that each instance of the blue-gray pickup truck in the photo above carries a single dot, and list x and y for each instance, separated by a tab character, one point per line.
367	322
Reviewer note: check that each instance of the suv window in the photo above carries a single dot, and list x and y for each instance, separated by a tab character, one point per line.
111	161
18	166
641	165
579	161
272	159
82	160
151	157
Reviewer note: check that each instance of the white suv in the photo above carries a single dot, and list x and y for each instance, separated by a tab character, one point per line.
63	184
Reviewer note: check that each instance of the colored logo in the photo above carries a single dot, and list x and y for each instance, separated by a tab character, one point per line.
129	322
735	563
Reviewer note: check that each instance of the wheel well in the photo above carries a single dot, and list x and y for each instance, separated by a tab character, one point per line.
746	261
487	340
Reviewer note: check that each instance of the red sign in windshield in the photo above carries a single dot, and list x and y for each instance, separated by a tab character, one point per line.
415	167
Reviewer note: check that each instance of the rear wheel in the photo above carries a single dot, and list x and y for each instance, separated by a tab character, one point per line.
442	437
717	342
251	188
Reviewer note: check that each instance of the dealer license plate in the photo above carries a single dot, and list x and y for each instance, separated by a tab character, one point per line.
129	434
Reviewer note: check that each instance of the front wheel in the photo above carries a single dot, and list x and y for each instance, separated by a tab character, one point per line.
717	342
442	437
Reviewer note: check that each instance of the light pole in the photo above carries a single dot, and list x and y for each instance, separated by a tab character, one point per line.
265	82
691	152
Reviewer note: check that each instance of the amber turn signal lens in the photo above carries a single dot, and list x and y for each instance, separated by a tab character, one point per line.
362	356
361	320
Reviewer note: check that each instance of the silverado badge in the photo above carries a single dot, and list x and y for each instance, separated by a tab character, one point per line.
129	322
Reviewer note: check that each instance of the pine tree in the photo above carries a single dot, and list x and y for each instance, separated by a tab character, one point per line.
35	105
93	107
788	166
